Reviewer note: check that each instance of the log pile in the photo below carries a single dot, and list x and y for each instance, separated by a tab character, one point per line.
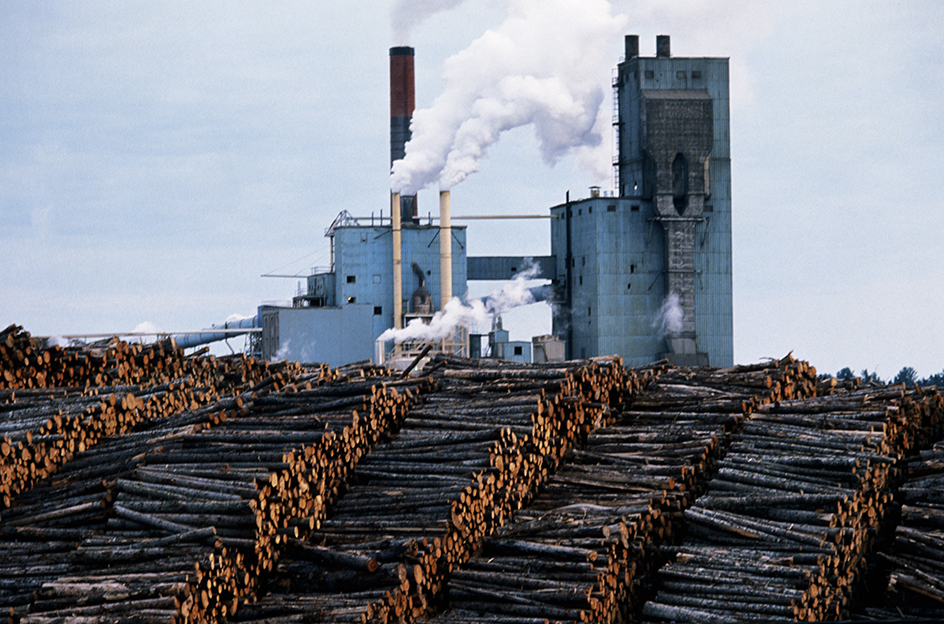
736	390
27	363
914	564
41	429
474	492
419	505
584	549
784	528
206	499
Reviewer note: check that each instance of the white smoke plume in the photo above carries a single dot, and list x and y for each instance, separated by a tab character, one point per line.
545	66
477	312
147	327
58	341
405	15
281	354
669	319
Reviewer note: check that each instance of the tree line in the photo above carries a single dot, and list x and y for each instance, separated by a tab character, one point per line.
907	375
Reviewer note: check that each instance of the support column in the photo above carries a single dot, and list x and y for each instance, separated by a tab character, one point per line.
445	249
397	262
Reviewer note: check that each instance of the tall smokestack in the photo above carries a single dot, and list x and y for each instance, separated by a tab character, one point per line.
402	105
445	249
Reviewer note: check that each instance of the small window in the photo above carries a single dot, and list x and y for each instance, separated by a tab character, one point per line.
632	268
519	351
590	210
709	208
352	299
351	279
579	212
629	286
580	282
378	310
650	74
635	208
611	208
696	75
589	311
680	75
583	260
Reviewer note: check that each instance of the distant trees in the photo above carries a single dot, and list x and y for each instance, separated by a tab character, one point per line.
907	375
933	380
845	374
870	378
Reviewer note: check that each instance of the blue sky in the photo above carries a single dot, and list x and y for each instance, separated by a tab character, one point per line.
156	159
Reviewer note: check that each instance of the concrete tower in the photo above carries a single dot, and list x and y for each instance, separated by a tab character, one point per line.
646	271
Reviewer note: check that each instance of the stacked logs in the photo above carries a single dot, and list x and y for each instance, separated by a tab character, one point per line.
915	561
29	363
211	498
419	505
42	429
791	513
583	550
60	513
735	390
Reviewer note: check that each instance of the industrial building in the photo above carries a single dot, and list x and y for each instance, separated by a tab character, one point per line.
646	272
642	271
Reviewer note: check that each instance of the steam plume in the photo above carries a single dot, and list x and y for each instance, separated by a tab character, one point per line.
477	312
545	66
408	14
669	319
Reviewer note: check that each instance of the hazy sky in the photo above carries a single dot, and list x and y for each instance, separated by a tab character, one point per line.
157	158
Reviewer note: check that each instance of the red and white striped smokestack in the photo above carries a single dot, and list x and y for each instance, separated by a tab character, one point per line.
402	105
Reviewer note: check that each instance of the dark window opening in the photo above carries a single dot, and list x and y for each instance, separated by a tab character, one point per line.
611	208
583	260
519	351
589	311
352	299
650	74
696	74
579	212
590	210
680	75
629	286
634	208
680	183
581	280
351	279
709	208
378	310
632	268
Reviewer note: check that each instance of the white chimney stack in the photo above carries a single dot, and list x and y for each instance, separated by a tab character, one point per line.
445	249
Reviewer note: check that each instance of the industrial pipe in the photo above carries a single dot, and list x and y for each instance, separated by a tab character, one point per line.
224	331
397	262
445	249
